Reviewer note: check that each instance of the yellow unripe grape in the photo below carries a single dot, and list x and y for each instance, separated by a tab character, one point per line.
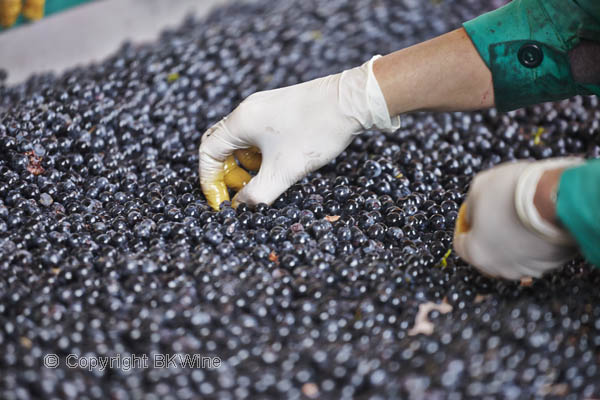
9	12
216	192
34	9
249	158
235	176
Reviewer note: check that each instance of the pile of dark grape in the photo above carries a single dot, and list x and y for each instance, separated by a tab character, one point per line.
108	248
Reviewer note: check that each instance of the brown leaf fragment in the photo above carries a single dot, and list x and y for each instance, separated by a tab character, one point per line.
274	257
422	323
310	390
35	163
557	389
332	218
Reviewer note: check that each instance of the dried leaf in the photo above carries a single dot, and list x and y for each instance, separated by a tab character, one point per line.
558	389
310	390
274	257
422	323
332	218
35	164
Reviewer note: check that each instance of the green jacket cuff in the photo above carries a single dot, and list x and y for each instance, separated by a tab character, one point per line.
578	207
525	44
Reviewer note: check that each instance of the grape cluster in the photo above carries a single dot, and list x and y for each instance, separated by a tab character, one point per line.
107	245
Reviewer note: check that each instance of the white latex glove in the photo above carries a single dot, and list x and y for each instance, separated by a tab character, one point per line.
298	129
499	229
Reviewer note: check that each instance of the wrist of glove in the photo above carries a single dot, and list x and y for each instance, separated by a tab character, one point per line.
360	97
499	229
296	129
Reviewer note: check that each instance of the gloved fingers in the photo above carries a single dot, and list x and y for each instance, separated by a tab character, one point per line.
466	247
476	195
467	238
470	245
270	182
522	271
460	243
464	224
489	233
235	177
463	220
553	258
217	145
250	158
471	249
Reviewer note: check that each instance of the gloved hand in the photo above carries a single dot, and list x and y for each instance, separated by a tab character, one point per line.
500	231
298	129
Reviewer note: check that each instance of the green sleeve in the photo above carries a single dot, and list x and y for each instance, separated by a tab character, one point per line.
526	44
578	207
592	7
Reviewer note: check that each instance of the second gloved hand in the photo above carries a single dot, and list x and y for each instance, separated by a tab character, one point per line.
298	129
499	229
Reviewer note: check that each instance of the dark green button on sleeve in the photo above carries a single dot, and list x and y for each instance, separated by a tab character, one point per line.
526	43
